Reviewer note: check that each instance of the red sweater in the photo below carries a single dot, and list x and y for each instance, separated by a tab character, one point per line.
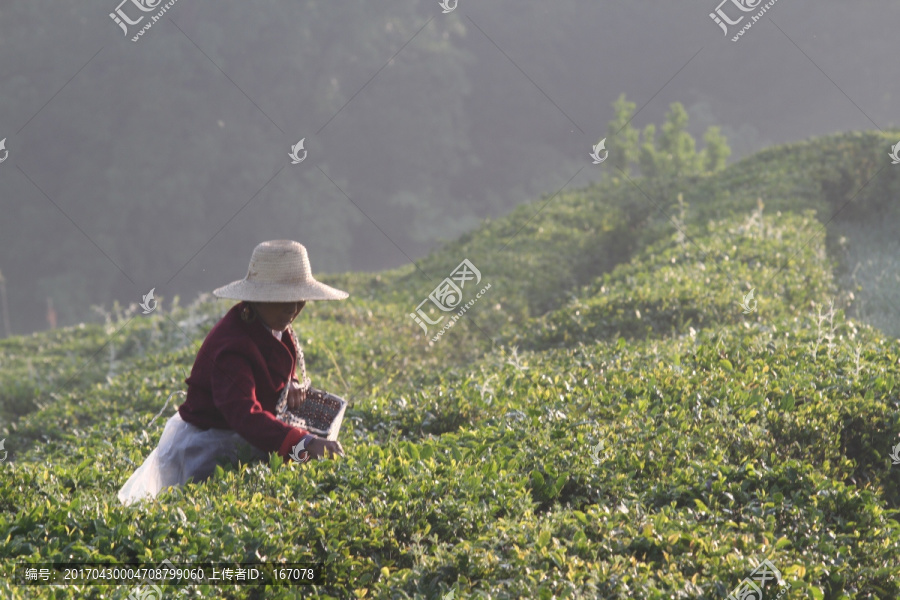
237	378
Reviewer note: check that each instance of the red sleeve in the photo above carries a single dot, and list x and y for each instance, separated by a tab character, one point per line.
234	394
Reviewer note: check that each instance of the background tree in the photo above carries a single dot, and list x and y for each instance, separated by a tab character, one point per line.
717	151
151	150
677	148
622	139
674	154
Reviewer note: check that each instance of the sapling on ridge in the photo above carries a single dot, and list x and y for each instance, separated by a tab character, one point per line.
753	226
122	315
516	362
486	388
825	329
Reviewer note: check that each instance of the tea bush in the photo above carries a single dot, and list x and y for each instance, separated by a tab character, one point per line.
607	422
657	293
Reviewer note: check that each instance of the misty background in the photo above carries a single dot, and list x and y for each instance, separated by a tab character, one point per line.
162	163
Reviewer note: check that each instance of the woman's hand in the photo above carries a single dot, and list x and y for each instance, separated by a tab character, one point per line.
296	396
317	448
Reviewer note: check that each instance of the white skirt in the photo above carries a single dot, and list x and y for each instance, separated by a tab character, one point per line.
184	451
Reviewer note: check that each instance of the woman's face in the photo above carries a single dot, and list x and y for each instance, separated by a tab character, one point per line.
278	315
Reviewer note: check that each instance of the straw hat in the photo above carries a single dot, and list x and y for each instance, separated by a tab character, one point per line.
279	272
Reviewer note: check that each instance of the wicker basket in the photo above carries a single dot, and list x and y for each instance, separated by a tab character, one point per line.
321	413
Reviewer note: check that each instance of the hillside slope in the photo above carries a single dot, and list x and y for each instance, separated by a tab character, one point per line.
607	421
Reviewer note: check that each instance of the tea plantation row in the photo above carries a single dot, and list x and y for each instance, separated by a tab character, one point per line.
606	422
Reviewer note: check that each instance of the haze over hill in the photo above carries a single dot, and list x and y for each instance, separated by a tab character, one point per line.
157	164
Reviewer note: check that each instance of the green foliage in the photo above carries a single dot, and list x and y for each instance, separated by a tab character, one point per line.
607	422
648	156
675	285
716	153
622	137
674	153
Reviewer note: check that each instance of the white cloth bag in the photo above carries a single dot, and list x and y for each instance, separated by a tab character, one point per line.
184	451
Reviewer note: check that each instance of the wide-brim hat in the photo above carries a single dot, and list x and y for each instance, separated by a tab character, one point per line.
279	272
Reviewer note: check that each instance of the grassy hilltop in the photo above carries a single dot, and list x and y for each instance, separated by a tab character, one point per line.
605	422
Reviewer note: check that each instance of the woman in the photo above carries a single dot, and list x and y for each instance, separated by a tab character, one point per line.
243	378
